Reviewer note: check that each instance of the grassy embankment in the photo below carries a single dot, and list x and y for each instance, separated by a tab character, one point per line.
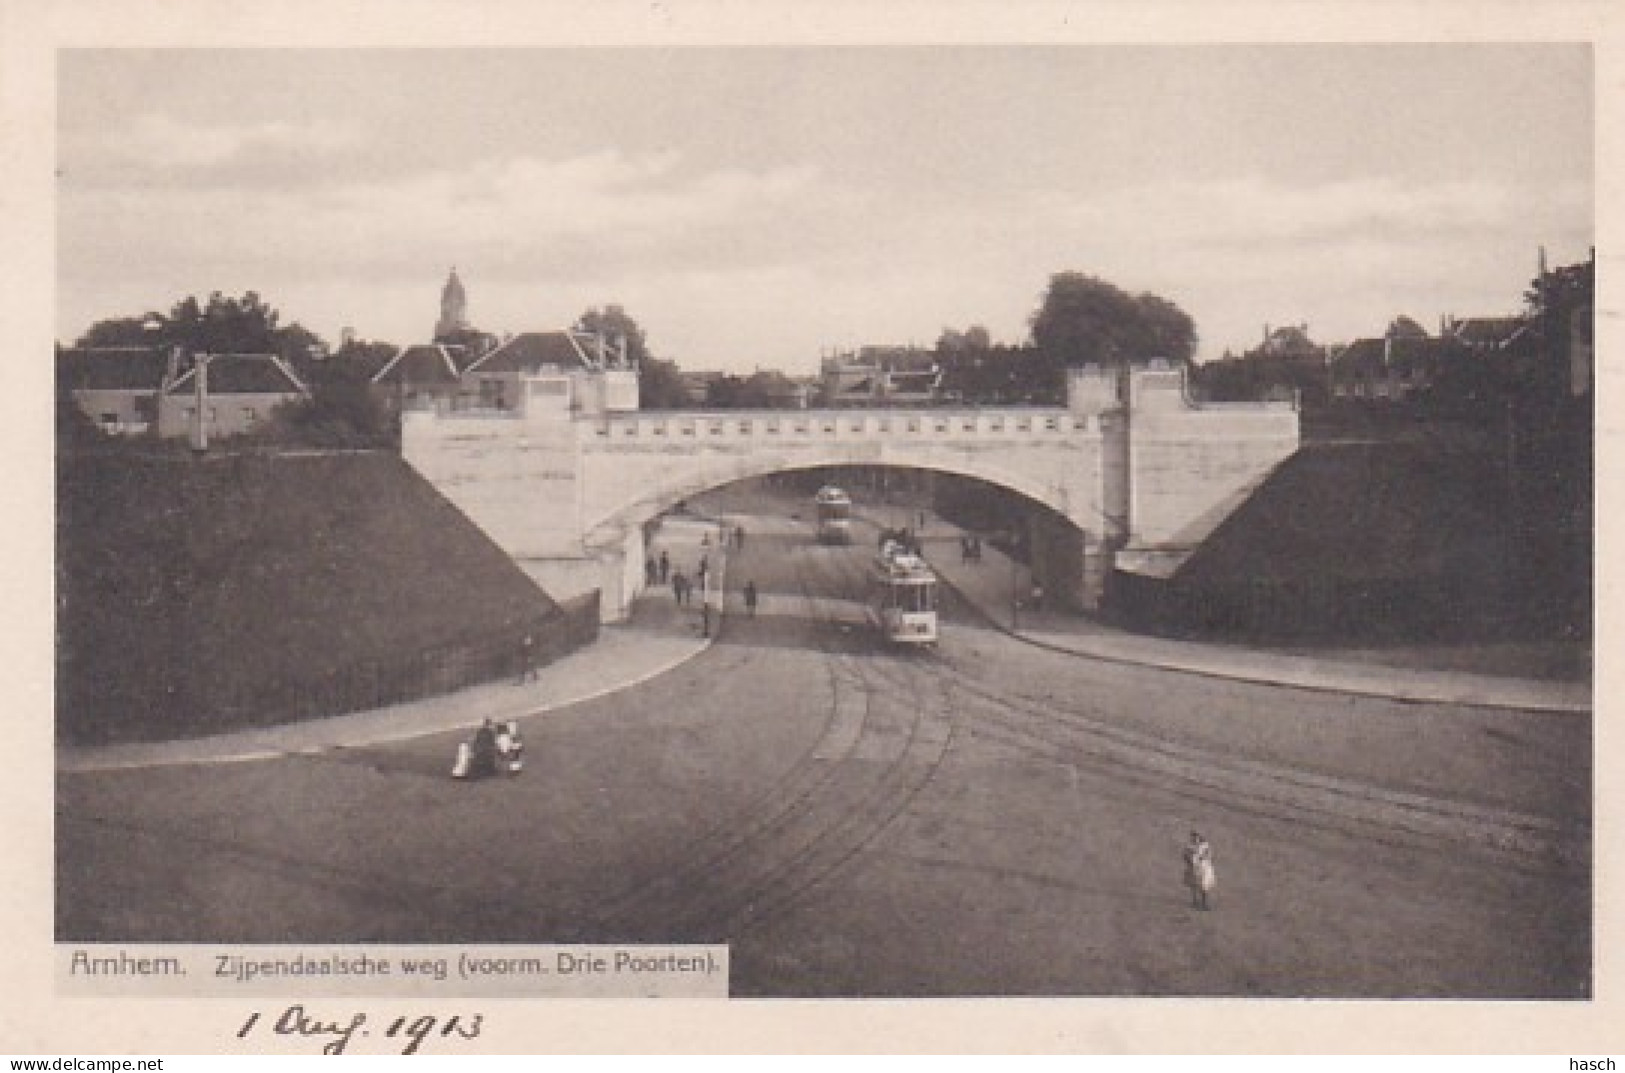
197	595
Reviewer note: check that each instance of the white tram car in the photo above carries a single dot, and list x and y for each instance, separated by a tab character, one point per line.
834	515
903	603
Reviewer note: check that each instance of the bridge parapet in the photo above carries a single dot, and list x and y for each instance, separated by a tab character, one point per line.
778	426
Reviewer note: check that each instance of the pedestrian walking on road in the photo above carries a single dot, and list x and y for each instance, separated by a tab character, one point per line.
679	588
665	566
705	618
1199	874
739	538
750	598
527	660
651	572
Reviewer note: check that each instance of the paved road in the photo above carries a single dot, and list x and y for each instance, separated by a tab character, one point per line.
992	818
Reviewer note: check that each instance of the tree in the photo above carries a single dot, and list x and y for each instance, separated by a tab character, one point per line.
222	325
367	355
1084	320
120	331
614	323
724	393
343	409
660	386
953	341
1001	375
767	389
1561	307
1404	327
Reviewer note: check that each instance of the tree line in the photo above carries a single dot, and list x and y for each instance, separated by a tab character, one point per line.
1080	320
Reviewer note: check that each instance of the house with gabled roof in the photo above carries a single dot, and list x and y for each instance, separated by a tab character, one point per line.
240	393
423	375
574	363
1390	369
881	375
117	387
1482	334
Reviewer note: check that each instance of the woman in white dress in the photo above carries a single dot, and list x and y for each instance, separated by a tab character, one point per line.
1199	874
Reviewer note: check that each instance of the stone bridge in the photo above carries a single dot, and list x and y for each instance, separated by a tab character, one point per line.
1133	473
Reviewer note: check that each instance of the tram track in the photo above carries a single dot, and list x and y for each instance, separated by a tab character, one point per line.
1267	788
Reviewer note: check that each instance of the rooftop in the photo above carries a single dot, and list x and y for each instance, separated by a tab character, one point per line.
112	368
243	374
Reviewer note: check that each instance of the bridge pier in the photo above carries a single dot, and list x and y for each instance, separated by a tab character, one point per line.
1070	563
620	570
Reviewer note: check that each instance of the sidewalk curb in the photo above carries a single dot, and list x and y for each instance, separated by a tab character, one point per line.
81	764
1553	707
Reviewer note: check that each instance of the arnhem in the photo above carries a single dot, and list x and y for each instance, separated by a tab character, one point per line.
123	965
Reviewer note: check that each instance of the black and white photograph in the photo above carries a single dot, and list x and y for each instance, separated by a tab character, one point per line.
791	519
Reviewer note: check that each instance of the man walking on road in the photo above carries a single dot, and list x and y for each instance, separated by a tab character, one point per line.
750	598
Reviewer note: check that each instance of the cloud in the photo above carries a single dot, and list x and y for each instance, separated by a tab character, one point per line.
598	215
1245	214
159	148
732	263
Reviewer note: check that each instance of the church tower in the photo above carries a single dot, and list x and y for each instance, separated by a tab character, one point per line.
453	308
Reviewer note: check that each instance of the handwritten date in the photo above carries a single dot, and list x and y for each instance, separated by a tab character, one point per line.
410	1032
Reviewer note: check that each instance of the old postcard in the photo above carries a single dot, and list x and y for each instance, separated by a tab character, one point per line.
676	506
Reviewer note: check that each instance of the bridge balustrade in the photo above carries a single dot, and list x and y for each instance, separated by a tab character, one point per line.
779	426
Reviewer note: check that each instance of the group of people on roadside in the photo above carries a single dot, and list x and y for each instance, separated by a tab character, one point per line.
658	570
495	749
970	548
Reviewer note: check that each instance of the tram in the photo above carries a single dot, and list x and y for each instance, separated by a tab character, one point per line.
903	601
834	515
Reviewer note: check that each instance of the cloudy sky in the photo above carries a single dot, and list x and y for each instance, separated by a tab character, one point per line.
752	207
